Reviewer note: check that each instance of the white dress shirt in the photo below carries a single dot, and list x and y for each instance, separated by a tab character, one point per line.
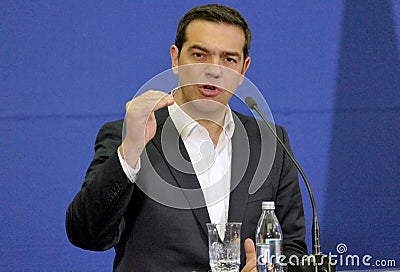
212	164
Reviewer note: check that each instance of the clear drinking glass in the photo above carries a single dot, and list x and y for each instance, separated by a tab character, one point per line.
224	246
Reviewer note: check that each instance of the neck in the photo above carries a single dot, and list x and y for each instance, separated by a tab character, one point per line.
214	129
209	114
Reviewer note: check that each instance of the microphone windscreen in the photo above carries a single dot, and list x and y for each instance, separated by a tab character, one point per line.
250	102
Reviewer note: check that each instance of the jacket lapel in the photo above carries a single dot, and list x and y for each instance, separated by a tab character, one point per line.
170	145
240	160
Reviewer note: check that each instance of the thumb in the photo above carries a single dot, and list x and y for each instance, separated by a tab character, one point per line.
250	250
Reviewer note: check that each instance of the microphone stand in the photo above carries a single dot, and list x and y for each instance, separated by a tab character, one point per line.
316	262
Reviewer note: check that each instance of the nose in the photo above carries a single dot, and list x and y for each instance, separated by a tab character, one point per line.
213	70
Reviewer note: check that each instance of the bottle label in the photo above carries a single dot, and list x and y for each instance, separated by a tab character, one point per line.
269	255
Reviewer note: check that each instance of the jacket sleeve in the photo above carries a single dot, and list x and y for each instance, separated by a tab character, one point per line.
94	219
289	205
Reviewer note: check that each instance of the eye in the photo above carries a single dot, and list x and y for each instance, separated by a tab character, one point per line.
231	60
198	55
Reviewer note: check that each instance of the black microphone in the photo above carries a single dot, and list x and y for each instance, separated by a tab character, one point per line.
320	261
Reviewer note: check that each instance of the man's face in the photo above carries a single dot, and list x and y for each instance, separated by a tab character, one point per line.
218	49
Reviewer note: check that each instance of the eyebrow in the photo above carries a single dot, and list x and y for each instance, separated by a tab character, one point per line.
226	53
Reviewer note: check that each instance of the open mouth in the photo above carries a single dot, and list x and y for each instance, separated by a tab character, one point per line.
209	90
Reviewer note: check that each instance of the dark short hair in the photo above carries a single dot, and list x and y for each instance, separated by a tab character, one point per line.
213	13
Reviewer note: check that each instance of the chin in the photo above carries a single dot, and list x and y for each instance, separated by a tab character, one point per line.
204	108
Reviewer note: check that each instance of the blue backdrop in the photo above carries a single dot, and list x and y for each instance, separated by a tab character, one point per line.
330	71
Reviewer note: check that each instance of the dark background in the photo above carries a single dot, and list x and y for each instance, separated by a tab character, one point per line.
329	71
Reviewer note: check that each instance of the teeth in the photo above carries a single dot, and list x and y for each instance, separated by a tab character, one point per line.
209	87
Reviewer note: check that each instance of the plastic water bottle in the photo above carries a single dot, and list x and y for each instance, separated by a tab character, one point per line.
269	240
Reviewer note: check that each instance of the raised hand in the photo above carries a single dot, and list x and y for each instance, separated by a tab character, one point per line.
140	123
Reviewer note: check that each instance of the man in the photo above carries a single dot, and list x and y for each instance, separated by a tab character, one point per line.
114	207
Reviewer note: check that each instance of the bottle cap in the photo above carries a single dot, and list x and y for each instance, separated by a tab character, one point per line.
268	205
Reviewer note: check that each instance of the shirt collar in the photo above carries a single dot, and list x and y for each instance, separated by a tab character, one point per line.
185	124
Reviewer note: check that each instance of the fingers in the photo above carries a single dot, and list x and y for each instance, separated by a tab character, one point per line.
250	251
140	122
150	101
165	100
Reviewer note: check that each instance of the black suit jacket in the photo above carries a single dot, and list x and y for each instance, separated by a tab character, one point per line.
110	211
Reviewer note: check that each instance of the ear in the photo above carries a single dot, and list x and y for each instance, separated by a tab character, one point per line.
246	66
174	52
